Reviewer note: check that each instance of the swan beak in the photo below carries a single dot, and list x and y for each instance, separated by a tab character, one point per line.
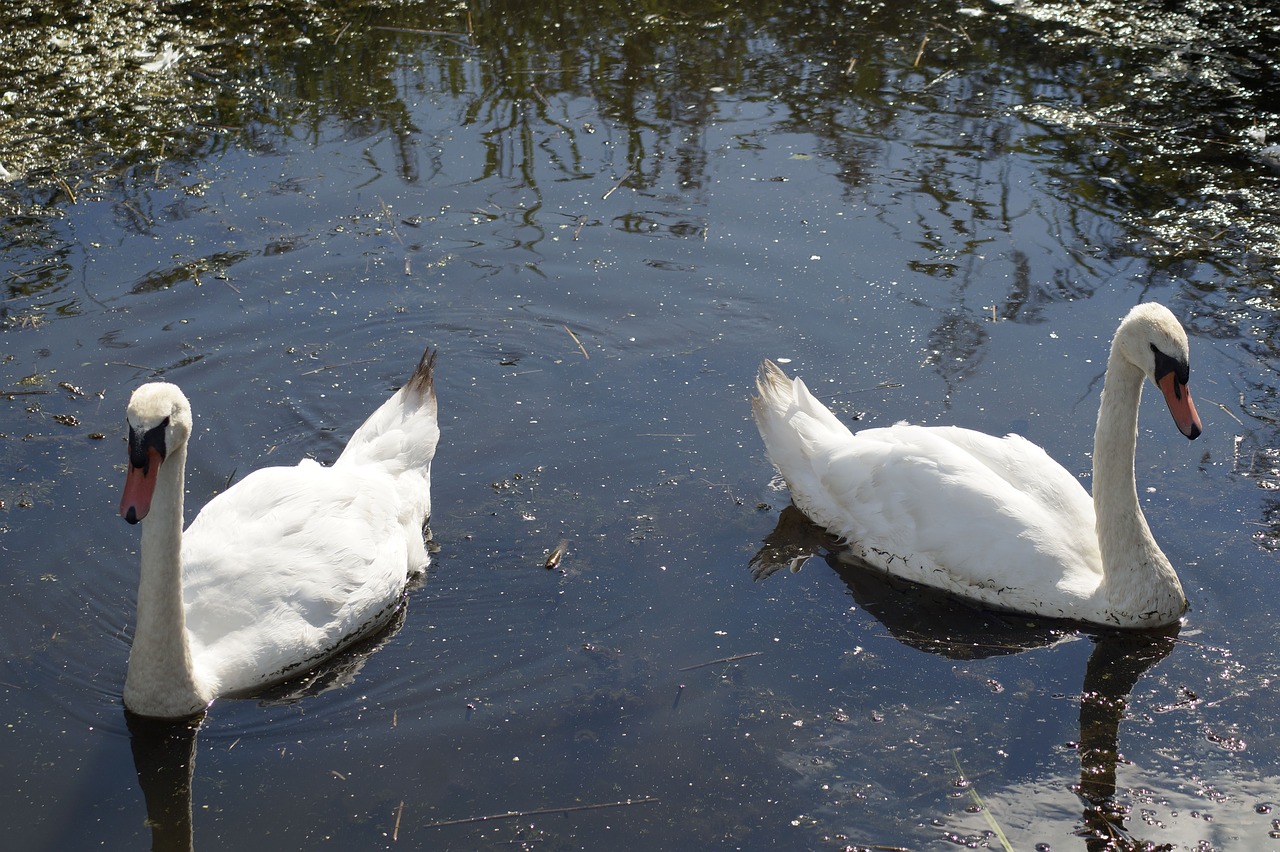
139	485
1180	405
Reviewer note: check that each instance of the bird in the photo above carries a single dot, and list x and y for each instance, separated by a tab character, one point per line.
281	570
990	519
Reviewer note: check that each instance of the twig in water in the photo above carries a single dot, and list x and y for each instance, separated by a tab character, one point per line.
543	811
924	41
395	831
336	366
460	39
577	341
726	488
885	385
986	812
66	189
417	31
620	182
732	659
959	31
1224	408
136	212
395	232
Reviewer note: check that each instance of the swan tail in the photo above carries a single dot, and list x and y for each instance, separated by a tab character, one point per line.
401	435
785	411
421	388
800	434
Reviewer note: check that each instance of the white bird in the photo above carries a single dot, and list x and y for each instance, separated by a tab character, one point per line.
996	520
281	570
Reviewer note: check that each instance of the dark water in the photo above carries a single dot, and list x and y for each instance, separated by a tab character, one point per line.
604	217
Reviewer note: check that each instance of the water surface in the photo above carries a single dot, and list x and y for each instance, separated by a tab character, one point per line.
604	219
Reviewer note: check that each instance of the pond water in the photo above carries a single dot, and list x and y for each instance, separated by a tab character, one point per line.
603	218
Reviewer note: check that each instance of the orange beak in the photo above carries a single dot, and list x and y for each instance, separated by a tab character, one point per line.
139	486
1180	405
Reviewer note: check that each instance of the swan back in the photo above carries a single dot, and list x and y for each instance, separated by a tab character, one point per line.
992	519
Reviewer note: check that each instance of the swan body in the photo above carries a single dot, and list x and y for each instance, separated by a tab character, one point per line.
996	520
281	570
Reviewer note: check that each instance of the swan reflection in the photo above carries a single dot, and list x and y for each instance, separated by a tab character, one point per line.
164	751
949	627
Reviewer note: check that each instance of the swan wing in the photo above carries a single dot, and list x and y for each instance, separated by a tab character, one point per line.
289	565
993	519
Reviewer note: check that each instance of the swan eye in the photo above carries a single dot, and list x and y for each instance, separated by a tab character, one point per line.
1166	364
152	439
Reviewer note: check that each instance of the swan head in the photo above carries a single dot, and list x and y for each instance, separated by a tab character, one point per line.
1153	340
159	420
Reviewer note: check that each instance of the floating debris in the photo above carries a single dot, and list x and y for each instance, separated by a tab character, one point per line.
553	558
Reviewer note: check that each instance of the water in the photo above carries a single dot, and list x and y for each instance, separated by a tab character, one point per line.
604	221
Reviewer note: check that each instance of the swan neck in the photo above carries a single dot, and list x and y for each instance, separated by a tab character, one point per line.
1115	490
161	681
1141	586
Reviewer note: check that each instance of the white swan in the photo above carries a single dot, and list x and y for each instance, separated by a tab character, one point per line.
993	519
279	571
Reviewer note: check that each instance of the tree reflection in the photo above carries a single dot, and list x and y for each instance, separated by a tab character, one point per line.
966	92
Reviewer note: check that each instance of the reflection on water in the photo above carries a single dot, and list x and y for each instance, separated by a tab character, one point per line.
164	755
1118	662
914	615
946	626
164	752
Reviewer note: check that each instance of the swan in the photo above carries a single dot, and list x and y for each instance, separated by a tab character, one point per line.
996	520
283	569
